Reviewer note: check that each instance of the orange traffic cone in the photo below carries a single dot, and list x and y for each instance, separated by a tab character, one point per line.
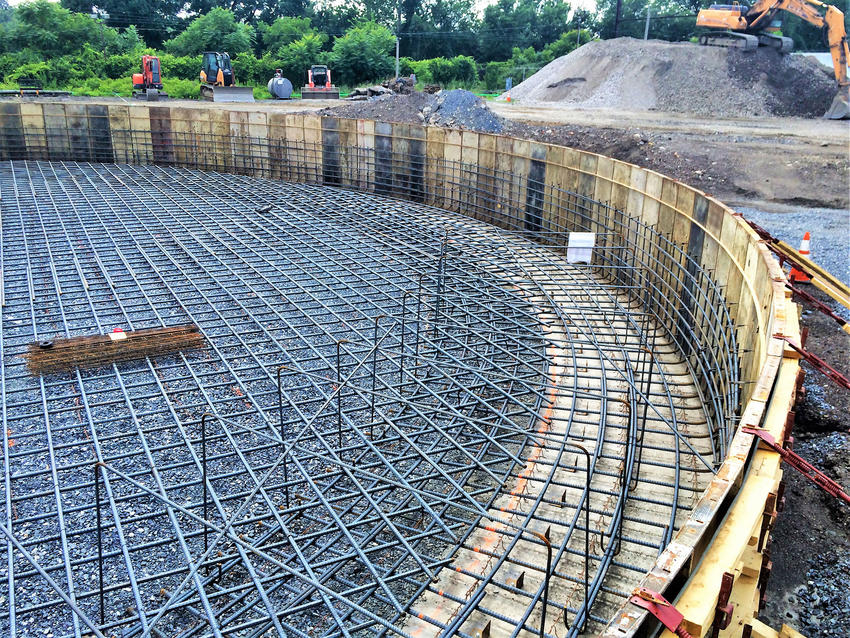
797	275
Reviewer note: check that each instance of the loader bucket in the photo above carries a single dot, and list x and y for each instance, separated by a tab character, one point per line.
232	94
840	109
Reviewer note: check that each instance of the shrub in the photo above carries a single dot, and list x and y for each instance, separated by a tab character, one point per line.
441	70
121	66
181	67
464	69
177	88
495	74
422	69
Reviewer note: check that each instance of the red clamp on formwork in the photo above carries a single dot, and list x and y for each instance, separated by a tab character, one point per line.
660	607
800	464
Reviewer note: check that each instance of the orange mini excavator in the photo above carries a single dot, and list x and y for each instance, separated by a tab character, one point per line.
749	27
148	84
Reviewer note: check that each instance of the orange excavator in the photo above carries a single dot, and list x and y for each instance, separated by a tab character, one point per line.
750	27
148	84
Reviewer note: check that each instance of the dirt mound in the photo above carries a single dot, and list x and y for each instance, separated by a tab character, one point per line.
683	78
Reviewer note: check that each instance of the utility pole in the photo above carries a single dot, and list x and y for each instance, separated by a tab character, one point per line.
397	34
617	18
646	28
100	15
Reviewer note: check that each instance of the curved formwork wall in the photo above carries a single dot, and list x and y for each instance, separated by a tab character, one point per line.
705	275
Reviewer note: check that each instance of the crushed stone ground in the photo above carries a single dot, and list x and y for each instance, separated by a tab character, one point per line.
681	77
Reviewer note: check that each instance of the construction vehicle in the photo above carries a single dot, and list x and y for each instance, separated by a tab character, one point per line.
148	84
217	81
319	85
750	27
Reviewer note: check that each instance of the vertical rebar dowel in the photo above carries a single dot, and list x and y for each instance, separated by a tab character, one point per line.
99	540
282	434
339	390
418	317
546	580
204	475
401	350
374	374
441	267
586	539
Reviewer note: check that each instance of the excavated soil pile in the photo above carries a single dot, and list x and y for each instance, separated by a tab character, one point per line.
683	78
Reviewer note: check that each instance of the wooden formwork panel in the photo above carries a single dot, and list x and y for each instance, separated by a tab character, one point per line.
122	139
32	122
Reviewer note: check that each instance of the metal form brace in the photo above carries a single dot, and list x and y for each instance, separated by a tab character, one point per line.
723	610
662	609
802	465
818	364
821	306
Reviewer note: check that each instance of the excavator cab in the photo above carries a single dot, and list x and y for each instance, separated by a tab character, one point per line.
148	83
151	69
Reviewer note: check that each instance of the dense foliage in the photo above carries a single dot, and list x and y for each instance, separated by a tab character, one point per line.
95	49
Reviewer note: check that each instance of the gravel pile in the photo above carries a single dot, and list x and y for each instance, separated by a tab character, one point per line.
684	78
454	109
462	109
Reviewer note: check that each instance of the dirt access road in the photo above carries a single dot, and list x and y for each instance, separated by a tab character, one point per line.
760	162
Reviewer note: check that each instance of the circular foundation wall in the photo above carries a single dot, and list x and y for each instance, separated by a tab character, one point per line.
416	406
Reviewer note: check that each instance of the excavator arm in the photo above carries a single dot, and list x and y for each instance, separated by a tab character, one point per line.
759	17
831	19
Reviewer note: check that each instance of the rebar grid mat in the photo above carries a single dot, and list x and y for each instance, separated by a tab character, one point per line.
407	422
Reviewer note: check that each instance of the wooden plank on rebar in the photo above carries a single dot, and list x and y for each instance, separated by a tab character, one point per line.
96	350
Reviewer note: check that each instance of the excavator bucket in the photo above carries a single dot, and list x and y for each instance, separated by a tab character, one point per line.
840	109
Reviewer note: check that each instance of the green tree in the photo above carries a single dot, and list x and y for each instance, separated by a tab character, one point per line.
155	20
253	12
363	53
633	18
217	30
296	57
444	28
335	19
283	31
569	41
52	31
522	23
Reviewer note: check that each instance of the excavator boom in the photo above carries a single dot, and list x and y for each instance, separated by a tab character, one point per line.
749	27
